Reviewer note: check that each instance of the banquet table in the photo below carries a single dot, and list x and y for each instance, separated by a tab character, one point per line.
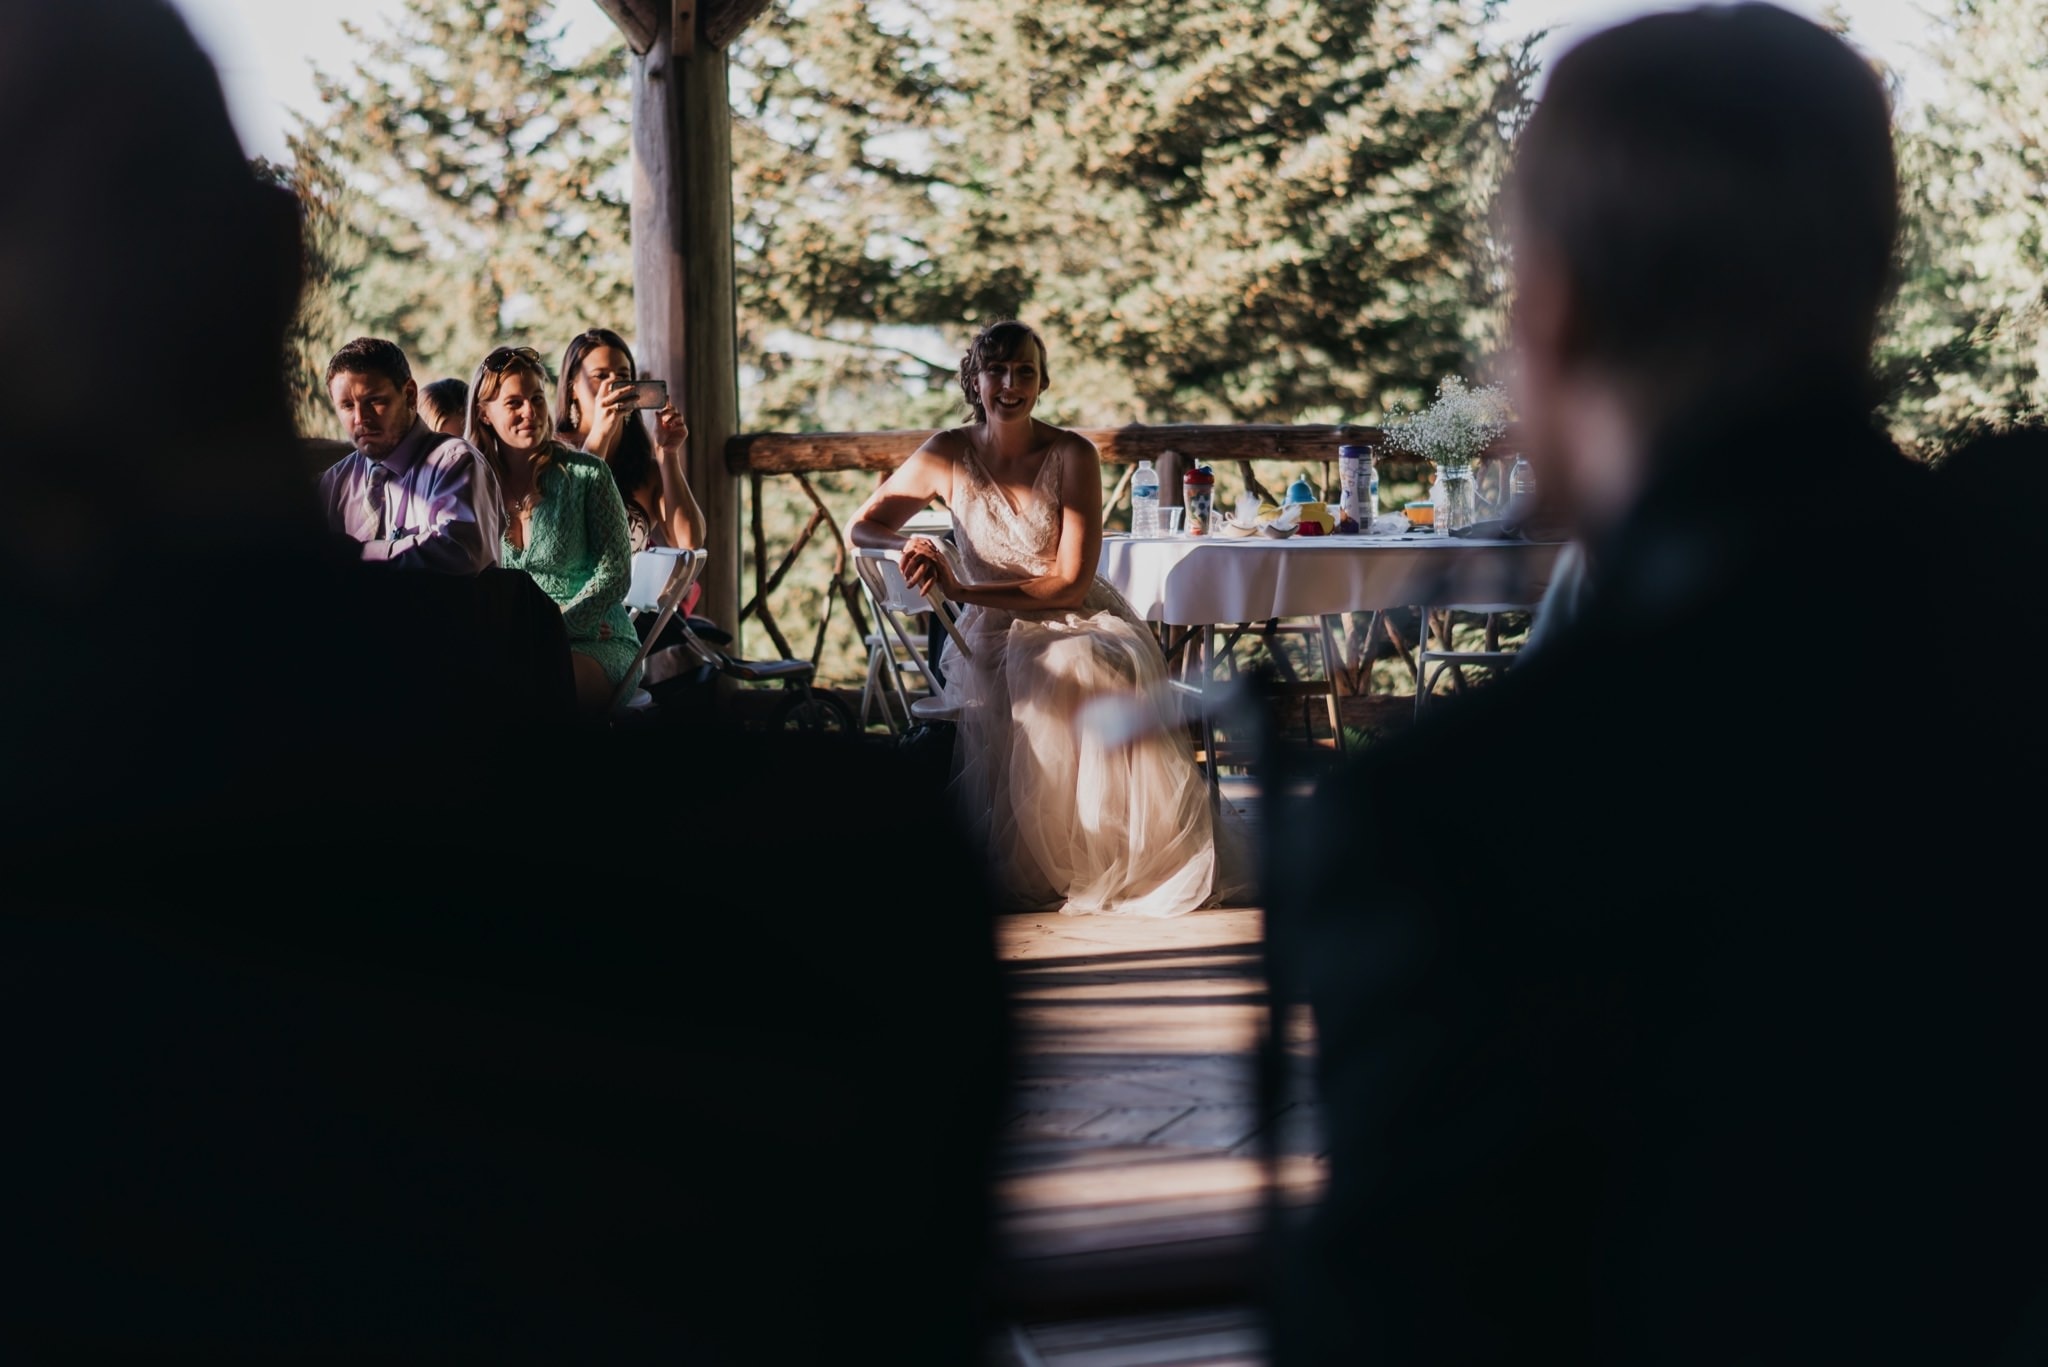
1191	581
1195	586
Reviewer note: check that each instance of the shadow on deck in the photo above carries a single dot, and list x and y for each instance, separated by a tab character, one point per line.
1132	1192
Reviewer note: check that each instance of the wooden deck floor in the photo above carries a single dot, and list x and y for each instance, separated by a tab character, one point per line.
1132	1189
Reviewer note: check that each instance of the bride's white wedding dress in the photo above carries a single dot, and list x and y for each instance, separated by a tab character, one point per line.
1074	815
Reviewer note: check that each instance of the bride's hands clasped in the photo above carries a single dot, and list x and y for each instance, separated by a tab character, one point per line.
924	565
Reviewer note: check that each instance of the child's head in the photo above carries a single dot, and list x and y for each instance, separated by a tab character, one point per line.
443	403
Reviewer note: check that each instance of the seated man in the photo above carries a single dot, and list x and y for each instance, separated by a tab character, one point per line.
1720	1049
410	495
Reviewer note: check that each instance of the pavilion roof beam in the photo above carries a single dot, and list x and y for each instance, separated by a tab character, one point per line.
724	20
636	20
718	21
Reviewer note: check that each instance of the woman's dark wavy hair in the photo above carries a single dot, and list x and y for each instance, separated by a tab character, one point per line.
999	341
632	460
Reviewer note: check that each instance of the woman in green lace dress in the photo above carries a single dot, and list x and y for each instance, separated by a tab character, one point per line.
564	521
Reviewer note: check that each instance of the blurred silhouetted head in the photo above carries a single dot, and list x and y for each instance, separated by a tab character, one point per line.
133	228
443	404
147	278
1705	202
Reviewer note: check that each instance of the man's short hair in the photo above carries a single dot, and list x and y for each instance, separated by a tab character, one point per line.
1718	186
449	396
371	356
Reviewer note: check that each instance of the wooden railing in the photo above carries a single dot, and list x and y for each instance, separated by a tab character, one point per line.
759	456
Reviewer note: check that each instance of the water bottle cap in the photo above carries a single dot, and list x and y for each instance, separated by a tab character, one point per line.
1353	451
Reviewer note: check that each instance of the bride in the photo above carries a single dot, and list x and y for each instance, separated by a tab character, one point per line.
1073	819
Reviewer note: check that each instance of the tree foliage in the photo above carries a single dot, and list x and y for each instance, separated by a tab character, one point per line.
470	184
1215	211
1966	341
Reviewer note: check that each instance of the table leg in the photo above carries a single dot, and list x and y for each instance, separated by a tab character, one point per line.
1332	669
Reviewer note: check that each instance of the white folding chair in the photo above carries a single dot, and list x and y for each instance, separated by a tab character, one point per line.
662	576
901	611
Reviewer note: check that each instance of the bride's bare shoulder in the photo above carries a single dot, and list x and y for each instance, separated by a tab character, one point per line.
1067	441
949	443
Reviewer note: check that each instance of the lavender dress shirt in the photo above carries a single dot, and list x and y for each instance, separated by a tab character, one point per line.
442	509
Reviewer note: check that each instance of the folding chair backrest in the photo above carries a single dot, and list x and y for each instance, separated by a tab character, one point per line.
884	572
662	576
652	570
901	608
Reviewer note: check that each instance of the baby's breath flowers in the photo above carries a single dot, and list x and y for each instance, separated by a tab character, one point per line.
1453	431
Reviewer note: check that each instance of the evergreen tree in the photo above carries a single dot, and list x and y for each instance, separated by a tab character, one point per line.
482	177
334	259
1966	342
1216	211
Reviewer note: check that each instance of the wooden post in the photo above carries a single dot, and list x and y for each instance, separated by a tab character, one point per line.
684	306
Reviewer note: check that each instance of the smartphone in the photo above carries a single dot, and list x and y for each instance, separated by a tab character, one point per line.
649	393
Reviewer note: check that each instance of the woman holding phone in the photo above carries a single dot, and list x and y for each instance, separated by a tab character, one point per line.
565	523
598	408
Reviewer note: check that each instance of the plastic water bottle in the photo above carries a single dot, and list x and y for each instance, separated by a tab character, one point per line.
1521	496
1145	500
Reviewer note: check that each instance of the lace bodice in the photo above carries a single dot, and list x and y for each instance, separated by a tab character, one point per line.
996	540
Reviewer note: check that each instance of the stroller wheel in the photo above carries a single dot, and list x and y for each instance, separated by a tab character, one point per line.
815	709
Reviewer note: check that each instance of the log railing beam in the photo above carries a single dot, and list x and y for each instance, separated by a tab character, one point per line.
1199	443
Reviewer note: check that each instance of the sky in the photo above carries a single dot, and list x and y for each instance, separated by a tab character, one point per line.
266	49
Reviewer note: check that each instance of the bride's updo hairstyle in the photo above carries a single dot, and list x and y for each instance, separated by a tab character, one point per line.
999	341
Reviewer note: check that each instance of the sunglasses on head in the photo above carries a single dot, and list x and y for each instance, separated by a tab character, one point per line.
505	356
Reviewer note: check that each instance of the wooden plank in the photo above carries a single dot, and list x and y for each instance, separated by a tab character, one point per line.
1156	1089
1216	1347
1065	1122
1172	1085
1034	935
1140	1187
1147	1175
1132	1124
1211	1127
1299	1129
1063	1335
1188	1272
1032	1068
1197	1338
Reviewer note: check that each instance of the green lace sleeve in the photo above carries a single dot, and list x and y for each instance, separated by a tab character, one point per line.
606	537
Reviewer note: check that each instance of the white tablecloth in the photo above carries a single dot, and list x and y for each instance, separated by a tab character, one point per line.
1206	580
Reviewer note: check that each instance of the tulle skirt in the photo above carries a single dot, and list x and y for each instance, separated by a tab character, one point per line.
1073	767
